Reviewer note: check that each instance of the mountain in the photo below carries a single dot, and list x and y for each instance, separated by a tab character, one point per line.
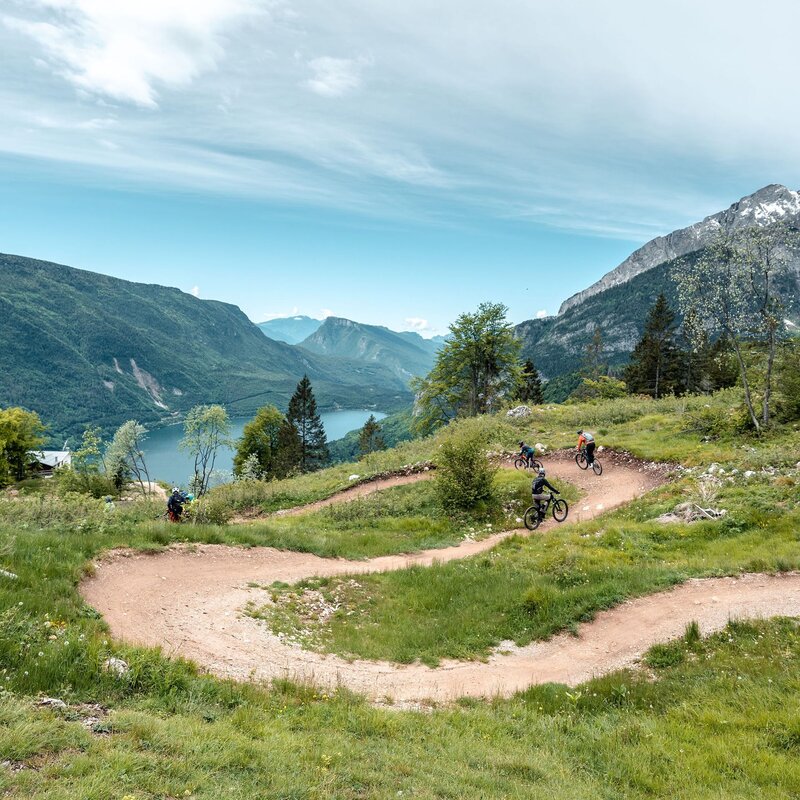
773	203
82	348
620	300
406	354
291	330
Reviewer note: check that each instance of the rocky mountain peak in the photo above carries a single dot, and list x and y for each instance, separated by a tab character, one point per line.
773	203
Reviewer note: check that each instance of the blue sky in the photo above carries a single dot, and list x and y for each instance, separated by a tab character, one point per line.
391	163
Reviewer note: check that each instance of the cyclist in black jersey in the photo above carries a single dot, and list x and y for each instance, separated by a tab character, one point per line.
538	486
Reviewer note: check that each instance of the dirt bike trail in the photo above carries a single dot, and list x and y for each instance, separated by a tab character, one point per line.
189	601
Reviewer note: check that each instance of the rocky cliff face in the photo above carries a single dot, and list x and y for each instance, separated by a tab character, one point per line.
773	203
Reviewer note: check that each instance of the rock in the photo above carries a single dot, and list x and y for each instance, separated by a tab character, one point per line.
119	667
354	477
540	448
749	473
520	412
6	574
51	702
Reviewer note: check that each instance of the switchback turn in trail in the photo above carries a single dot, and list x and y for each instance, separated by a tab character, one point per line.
189	601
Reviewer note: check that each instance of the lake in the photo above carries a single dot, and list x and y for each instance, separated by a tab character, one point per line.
167	463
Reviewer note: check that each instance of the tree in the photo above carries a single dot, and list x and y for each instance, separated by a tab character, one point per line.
205	430
302	414
370	438
289	451
88	458
477	365
20	433
531	391
259	439
654	364
593	363
124	457
731	290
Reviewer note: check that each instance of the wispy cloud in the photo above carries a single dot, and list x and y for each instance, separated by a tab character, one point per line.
195	290
541	314
333	77
125	50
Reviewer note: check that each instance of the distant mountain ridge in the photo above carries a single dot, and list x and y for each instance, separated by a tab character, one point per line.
291	330
619	302
83	348
405	353
771	204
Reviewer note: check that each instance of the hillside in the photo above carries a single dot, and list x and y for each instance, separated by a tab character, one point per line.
291	330
82	348
406	354
619	302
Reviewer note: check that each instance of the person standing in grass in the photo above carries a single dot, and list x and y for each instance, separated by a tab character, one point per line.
587	439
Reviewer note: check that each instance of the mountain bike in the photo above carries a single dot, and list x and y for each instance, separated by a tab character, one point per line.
533	516
580	460
520	462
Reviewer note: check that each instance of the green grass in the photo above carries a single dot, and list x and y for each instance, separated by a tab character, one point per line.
719	722
528	589
706	718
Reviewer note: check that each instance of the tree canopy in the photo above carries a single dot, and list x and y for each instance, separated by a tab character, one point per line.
260	440
477	366
20	432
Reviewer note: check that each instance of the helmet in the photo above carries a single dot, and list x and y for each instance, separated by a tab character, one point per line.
175	490
580	431
520	443
541	472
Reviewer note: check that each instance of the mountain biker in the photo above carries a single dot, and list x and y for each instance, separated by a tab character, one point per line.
586	439
537	490
526	452
175	505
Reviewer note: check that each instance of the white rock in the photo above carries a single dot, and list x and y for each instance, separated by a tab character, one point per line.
51	702
354	477
749	473
117	666
6	574
519	412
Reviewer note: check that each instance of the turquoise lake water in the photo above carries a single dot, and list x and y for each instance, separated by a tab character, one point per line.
167	463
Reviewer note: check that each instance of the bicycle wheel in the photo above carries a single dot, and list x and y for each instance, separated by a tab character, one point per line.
560	510
532	518
536	465
580	460
520	463
597	467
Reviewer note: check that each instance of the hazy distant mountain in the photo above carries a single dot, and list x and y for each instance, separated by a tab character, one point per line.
406	354
82	348
291	330
620	300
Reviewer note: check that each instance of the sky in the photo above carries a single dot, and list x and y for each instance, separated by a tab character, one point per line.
393	163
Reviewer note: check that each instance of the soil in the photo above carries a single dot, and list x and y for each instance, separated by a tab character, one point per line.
189	600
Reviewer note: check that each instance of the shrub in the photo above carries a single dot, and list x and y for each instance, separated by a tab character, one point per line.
464	478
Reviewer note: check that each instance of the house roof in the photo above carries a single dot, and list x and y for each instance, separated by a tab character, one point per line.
52	458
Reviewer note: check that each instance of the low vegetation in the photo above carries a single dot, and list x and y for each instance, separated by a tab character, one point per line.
709	717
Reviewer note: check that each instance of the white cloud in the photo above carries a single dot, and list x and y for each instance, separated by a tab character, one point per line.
416	323
542	314
325	313
280	314
195	290
124	50
334	77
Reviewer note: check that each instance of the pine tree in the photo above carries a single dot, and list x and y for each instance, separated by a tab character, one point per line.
370	439
303	415
593	364
654	364
288	450
531	391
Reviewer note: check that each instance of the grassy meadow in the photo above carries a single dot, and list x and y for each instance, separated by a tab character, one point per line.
703	718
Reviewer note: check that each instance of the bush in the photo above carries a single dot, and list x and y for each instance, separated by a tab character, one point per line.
464	478
93	484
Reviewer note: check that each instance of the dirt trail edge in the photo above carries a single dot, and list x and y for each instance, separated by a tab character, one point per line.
189	601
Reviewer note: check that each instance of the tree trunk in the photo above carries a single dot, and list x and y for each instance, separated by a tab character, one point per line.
768	381
743	371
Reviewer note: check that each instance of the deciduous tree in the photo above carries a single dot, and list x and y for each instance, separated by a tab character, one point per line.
259	439
20	433
205	430
125	458
477	365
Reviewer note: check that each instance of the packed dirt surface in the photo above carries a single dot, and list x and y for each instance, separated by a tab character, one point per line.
189	601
